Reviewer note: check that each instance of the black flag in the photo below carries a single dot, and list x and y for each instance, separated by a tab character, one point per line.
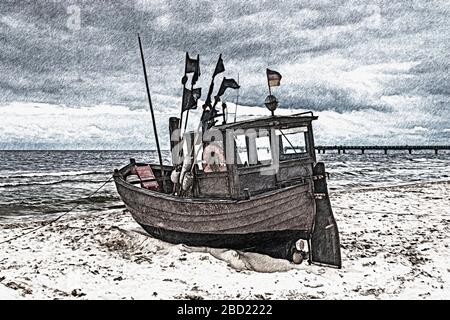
219	67
190	98
192	65
227	83
197	71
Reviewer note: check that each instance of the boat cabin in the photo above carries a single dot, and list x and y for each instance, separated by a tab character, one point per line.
246	158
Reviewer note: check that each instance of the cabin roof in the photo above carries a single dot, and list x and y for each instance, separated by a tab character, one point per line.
278	122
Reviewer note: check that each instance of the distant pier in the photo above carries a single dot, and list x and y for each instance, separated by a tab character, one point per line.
386	149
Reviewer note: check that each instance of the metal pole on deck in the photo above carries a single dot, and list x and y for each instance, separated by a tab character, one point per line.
151	110
237	100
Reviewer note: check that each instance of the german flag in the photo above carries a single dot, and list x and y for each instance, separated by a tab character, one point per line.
273	78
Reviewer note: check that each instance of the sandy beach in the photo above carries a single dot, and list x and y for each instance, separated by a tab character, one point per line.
395	245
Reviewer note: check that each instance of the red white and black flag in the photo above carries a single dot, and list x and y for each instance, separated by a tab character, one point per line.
273	78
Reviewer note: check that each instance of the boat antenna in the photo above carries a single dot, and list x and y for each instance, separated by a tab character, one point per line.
183	81
237	99
151	110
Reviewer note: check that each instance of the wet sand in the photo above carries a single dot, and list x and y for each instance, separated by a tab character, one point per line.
401	251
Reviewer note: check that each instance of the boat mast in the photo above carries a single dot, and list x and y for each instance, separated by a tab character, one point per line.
237	99
192	91
151	110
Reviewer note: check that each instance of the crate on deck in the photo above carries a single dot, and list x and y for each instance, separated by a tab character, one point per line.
146	176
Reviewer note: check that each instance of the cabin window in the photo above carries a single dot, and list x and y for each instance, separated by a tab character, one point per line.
241	149
263	149
213	152
293	142
214	157
253	147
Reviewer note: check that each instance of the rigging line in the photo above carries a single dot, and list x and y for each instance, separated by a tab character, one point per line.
293	148
59	217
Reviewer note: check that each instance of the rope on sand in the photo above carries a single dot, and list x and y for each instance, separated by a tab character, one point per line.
387	187
411	215
60	216
373	211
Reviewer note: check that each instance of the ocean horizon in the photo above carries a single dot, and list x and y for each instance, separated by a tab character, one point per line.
41	183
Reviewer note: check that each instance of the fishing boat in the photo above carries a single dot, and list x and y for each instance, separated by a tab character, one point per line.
251	185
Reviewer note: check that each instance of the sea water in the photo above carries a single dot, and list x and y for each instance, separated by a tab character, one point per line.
46	183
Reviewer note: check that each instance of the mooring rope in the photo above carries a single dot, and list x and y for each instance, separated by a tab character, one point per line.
407	184
410	215
388	186
374	211
60	216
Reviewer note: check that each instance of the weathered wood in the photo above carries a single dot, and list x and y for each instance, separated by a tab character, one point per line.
310	142
175	124
325	245
255	182
233	177
275	122
269	212
263	207
213	185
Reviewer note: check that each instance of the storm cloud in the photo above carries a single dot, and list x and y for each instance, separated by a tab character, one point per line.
387	58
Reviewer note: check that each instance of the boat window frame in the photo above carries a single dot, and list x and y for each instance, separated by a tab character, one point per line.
308	136
284	137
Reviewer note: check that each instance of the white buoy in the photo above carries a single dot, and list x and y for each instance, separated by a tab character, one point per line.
188	180
300	245
175	176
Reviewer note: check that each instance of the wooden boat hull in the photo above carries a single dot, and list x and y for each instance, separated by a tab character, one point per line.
270	223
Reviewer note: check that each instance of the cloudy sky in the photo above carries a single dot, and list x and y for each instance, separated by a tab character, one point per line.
374	71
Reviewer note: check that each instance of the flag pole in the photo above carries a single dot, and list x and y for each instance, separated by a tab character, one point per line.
151	110
184	80
186	121
237	100
268	84
192	88
207	101
187	112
